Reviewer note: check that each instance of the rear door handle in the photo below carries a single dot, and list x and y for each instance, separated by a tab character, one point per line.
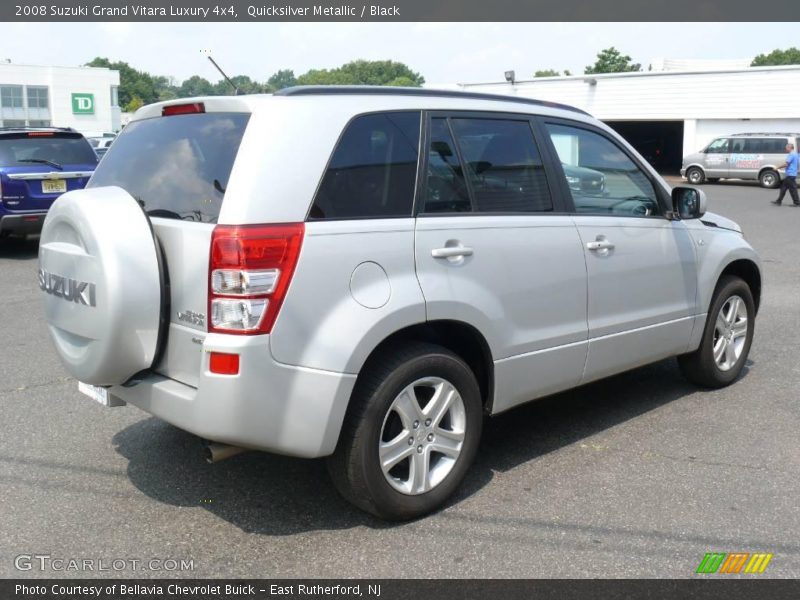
451	252
599	245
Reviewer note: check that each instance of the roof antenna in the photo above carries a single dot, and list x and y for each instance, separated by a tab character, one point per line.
207	54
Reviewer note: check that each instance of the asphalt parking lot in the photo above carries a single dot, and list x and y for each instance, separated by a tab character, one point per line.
636	476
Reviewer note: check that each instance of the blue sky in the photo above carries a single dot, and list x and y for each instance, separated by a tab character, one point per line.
442	52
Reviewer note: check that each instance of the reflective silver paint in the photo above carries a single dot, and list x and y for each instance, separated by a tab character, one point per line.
102	236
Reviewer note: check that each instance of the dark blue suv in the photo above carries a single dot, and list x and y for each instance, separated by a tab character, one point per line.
37	165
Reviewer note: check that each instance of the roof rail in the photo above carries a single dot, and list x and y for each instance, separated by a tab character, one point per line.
751	133
377	90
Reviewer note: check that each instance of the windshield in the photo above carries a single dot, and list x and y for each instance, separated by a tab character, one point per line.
176	166
45	148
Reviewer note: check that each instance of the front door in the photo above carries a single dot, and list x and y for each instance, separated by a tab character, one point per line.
641	266
717	155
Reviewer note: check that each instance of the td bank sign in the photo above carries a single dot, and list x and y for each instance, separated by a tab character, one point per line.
83	104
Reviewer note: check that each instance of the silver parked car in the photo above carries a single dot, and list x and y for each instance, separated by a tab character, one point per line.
365	273
754	156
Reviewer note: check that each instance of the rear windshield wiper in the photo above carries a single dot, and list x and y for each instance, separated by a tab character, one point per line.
165	213
42	161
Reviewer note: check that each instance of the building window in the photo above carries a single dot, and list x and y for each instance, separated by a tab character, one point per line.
37	97
114	95
11	96
39	122
13	123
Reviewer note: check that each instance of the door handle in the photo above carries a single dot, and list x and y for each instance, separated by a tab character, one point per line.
599	245
451	252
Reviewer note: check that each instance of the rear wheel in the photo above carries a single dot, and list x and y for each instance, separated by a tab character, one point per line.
695	176
726	339
411	432
769	179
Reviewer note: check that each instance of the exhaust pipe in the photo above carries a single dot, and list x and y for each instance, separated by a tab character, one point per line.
215	452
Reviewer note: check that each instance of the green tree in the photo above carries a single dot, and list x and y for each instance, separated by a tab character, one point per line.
196	86
282	79
243	83
131	82
546	73
165	87
135	104
790	56
611	60
364	72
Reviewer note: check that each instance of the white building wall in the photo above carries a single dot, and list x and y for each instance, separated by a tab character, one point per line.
708	129
754	93
62	82
709	102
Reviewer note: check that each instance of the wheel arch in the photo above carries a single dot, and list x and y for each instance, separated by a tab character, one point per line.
458	337
748	271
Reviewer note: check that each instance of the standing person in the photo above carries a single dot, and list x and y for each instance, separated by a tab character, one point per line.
789	182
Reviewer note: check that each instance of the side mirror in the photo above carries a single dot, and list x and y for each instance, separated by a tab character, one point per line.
688	202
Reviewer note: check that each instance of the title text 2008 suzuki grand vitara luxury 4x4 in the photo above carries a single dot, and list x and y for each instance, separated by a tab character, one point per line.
364	273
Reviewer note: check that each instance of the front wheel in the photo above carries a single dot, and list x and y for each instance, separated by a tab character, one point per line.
726	339
410	434
695	176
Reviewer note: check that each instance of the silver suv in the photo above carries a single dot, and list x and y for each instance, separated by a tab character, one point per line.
754	156
364	273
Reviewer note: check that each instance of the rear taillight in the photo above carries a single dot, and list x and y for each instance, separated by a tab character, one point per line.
249	273
183	109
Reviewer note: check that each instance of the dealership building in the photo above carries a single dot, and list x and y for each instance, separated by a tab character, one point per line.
676	108
84	98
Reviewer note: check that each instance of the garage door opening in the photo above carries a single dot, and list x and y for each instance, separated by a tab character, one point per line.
660	142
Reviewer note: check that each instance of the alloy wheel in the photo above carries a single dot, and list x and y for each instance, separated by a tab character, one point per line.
422	435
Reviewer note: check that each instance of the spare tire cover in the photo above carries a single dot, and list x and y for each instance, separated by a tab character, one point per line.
100	280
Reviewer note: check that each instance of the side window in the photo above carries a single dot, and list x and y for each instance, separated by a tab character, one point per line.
373	169
446	188
777	145
755	145
738	145
601	177
503	164
718	146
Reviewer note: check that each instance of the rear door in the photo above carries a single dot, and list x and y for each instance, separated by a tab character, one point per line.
39	166
177	167
641	266
494	249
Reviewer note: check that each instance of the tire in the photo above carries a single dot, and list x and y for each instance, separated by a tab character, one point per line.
383	409
695	176
769	179
701	367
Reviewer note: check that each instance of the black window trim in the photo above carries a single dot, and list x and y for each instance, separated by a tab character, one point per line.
664	201
308	219
559	209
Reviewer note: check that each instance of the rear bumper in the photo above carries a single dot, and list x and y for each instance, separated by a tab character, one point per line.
267	406
22	223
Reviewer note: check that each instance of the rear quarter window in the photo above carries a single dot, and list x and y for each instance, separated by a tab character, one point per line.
176	166
373	170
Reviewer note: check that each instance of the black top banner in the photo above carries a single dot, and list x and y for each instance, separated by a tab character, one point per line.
398	10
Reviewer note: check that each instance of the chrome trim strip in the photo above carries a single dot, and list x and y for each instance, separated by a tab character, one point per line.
50	175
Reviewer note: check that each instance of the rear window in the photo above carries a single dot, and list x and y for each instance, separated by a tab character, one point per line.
43	148
176	167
